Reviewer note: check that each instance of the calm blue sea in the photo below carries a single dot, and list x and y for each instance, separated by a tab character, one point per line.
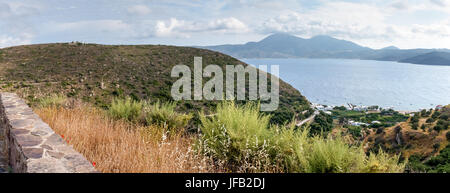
365	82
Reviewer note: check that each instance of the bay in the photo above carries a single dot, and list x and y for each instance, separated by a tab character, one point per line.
401	86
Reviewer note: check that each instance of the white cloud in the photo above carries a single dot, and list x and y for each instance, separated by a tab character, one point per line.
366	24
181	28
374	23
138	10
93	25
400	5
169	30
440	2
6	41
338	19
14	26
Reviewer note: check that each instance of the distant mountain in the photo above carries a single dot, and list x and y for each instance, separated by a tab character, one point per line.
390	48
288	46
281	45
433	58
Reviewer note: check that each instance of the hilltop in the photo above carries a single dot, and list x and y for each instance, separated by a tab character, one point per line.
97	73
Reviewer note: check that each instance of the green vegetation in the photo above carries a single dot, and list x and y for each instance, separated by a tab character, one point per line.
99	73
387	118
164	114
437	164
127	108
160	114
241	139
355	131
447	135
52	100
323	123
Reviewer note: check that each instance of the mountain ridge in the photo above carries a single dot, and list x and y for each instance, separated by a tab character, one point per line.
282	45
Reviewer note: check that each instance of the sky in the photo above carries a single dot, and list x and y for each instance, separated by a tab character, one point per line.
372	23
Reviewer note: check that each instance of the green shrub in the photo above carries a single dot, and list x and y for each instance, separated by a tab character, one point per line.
52	100
415	164
323	123
355	131
164	114
241	139
382	162
441	162
334	156
127	109
237	136
447	135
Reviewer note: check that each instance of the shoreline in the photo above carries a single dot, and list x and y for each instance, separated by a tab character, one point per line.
365	107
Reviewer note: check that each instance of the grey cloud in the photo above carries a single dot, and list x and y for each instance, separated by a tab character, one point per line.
5	10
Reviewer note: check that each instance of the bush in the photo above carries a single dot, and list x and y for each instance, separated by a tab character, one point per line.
127	109
415	164
323	123
241	139
164	114
334	156
447	135
423	127
441	125
237	136
441	162
355	131
52	100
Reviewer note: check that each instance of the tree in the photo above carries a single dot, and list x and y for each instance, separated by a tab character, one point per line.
322	123
423	113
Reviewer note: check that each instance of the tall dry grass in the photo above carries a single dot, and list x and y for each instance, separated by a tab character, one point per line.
121	146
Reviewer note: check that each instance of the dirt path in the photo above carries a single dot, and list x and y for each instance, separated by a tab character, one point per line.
307	119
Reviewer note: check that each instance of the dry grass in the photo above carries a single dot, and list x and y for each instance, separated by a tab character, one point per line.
120	146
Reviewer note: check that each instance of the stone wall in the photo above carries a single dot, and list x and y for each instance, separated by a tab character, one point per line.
30	145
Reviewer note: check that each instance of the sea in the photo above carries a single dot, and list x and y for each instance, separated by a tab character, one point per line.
400	86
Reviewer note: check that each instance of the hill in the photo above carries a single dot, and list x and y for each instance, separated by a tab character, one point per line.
423	135
433	58
390	48
288	46
97	73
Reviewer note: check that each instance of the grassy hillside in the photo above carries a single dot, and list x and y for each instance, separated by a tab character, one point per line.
98	73
423	135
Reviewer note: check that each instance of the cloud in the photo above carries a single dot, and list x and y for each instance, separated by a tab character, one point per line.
6	41
139	10
5	10
93	25
182	28
15	28
442	3
338	19
400	5
375	23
